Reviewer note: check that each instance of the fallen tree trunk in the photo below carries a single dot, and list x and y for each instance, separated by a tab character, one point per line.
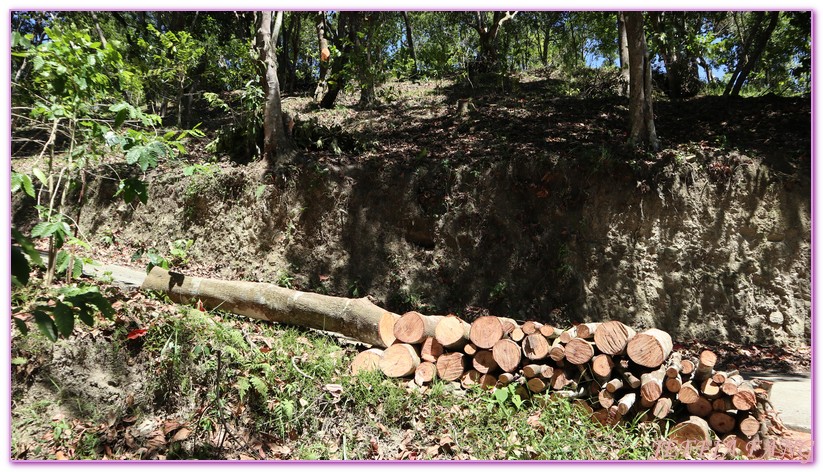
357	318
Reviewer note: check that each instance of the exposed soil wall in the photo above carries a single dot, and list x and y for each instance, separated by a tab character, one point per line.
705	245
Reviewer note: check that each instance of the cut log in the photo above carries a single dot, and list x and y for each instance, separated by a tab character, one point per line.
356	318
469	378
673	384
747	424
484	362
687	366
508	325
693	431
367	361
762	387
612	337
505	378
385	328
579	351
614	385
745	398
506	354
487	381
399	360
722	422
425	373
485	331
722	404
607	416
587	330
567	335
650	348
548	331
625	404
535	347
731	384
602	365
452	332
517	335
535	370
688	393
530	327
674	365
557	353
431	349
705	366
710	389
559	380
645	404
450	366
537	384
662	407
632	381
721	377
651	384
414	327
605	398
470	349
702	407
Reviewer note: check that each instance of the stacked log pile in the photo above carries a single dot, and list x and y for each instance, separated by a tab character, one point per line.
617	372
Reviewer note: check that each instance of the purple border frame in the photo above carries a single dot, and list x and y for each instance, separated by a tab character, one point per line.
6	289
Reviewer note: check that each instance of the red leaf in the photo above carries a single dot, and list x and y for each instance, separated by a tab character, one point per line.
265	349
136	333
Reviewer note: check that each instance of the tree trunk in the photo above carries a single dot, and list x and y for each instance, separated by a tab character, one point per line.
348	24
410	43
751	60
641	114
623	50
275	142
356	318
323	43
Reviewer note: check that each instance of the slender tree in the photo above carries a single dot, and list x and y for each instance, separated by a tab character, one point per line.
623	51
410	43
641	113
275	141
751	51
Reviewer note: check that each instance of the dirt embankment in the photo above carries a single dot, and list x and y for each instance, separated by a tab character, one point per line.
712	245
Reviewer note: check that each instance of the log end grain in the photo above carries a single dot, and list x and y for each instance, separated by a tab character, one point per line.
399	360
486	331
650	348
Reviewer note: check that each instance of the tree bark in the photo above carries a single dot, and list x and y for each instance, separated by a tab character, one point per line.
275	143
623	53
410	43
357	318
641	113
348	25
325	54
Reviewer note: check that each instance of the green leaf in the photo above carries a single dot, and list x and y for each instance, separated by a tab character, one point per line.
27	246
40	230
40	176
19	360
132	189
121	117
20	269
21	326
38	62
46	325
242	387
259	385
63	319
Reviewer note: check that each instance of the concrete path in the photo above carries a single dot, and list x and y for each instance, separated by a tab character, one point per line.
792	397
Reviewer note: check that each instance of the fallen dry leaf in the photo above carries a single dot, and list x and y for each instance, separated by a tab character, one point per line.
60	456
181	435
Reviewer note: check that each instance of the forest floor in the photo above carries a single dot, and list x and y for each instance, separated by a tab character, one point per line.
164	381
